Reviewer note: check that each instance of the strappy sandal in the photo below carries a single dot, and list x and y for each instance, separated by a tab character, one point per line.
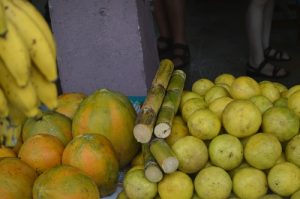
277	55
257	72
164	47
181	55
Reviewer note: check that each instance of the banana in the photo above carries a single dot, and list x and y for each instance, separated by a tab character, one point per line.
24	98
4	110
46	91
9	133
15	55
3	27
16	117
40	21
39	48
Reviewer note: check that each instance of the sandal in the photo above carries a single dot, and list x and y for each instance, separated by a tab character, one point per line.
164	47
181	55
257	72
277	55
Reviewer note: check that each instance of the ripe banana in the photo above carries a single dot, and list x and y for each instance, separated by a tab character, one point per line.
16	117
9	133
23	98
46	91
3	27
39	48
15	55
4	110
40	21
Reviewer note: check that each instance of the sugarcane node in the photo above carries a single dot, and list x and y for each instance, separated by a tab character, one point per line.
143	128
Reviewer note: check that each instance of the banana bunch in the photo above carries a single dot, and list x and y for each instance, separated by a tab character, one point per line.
28	68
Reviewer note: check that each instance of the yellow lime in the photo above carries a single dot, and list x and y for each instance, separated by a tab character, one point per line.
262	150
269	90
250	183
204	124
296	195
244	87
292	90
179	130
241	118
202	85
281	102
214	93
190	106
281	87
294	102
176	185
227	87
191	153
281	122
244	164
292	150
262	102
195	196
281	159
271	196
137	186
224	78
284	179
218	105
186	95
138	160
213	182
226	151
122	195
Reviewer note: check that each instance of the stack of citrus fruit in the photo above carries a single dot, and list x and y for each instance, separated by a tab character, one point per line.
234	137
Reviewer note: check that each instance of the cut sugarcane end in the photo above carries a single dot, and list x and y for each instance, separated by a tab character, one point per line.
153	174
170	164
162	130
142	133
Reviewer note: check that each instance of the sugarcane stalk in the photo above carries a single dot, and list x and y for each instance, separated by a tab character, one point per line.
146	118
170	104
164	155
163	73
152	170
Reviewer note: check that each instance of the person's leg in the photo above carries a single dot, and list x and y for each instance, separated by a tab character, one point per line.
255	28
176	10
161	19
176	16
267	25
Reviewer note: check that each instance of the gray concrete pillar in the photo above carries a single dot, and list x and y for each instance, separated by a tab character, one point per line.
104	44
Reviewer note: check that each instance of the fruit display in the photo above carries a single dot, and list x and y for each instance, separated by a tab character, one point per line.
228	137
28	68
232	137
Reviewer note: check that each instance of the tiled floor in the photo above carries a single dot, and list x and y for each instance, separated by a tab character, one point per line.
216	33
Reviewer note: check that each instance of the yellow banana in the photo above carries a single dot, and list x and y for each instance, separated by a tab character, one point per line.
9	133
24	98
4	110
46	91
15	55
16	117
3	27
39	19
36	42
